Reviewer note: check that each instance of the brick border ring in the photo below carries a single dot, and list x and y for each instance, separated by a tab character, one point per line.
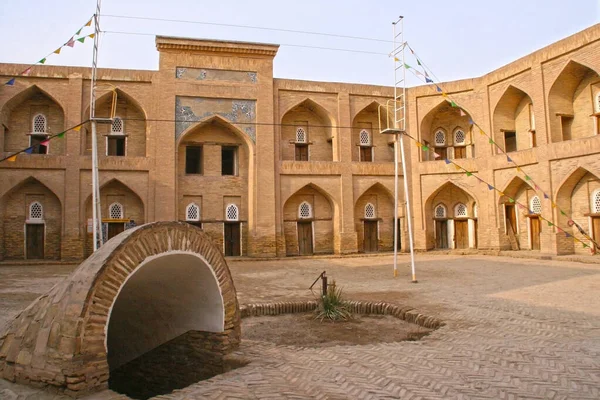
407	314
60	340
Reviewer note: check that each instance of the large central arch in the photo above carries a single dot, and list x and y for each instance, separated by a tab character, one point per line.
145	287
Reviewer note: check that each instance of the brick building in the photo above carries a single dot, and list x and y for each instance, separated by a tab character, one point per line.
276	167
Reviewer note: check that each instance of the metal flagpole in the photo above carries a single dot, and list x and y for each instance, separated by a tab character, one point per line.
400	130
96	210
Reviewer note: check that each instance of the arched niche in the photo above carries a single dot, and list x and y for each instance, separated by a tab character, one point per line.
514	120
370	120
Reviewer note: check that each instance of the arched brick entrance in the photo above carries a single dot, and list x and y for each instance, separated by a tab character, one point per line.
149	285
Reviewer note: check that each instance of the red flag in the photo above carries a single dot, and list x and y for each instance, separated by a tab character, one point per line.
45	142
26	72
462	113
70	43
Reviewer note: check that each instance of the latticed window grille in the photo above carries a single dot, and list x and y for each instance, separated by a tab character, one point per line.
115	211
460	210
459	137
369	211
365	138
440	211
36	211
117	126
596	201
535	205
304	210
232	213
300	135
39	123
440	138
192	212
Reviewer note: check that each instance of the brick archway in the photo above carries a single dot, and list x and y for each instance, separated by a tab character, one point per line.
61	338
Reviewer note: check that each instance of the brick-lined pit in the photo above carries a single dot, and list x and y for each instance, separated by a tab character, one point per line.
146	287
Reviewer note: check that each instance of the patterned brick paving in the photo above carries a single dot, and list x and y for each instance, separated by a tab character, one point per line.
493	346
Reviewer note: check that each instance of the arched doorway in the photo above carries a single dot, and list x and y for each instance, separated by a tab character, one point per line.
520	230
308	222
374	220
450	218
31	226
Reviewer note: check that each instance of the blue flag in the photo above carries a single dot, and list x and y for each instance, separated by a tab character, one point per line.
490	187
428	80
508	159
439	89
447	161
29	150
11	82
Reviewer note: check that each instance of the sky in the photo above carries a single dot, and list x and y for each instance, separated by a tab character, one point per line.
455	39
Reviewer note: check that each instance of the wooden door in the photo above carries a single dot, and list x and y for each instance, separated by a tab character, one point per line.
399	244
596	231
232	239
475	233
34	235
370	236
511	218
305	240
114	228
441	234
460	152
301	152
461	234
366	153
535	233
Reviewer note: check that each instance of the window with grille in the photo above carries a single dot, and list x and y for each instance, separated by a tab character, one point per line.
39	124
440	211
365	138
459	137
304	210
117	126
36	211
535	205
115	211
300	135
232	213
192	212
440	138
369	211
596	201
460	210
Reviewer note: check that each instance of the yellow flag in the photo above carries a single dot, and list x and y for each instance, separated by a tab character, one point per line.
418	144
77	128
13	158
89	22
501	193
553	204
518	169
481	132
91	35
458	168
395	59
444	94
57	51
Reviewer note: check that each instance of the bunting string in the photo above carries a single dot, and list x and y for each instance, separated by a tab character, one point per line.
29	150
69	43
424	77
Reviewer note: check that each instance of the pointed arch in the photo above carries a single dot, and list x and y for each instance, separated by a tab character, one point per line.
221	122
374	107
31	179
313	106
116	181
512	114
22	96
121	93
513	187
447	119
449	185
317	188
569	104
377	186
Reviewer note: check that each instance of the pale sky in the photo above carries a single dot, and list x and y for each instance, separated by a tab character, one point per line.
456	39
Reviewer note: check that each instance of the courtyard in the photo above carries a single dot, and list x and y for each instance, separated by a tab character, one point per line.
515	328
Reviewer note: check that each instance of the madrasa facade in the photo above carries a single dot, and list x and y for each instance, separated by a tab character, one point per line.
272	167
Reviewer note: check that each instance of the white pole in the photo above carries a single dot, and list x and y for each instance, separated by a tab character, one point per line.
96	209
395	157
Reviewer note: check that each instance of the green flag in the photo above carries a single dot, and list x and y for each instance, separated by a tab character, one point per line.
563	213
453	104
491	141
43	60
425	148
511	199
61	135
469	174
81	39
550	223
406	66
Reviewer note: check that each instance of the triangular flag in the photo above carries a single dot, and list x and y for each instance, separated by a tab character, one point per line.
481	132
70	43
508	159
584	245
42	61
527	178
563	213
453	104
570	222
77	128
490	187
470	121
511	199
57	51
418	144
567	234
89	22
12	158
550	223
436	155
457	167
418	73
439	89
518	169
10	82
444	94
418	62
425	148
553	204
428	80
447	161
81	39
26	72
469	174
501	193
60	135
406	66
91	35
396	59
78	32
29	150
462	113
45	142
491	141
536	186
546	196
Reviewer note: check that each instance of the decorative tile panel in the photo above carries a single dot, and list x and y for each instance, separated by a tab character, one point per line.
189	110
207	74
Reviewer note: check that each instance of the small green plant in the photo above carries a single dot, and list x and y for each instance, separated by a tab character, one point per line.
332	306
